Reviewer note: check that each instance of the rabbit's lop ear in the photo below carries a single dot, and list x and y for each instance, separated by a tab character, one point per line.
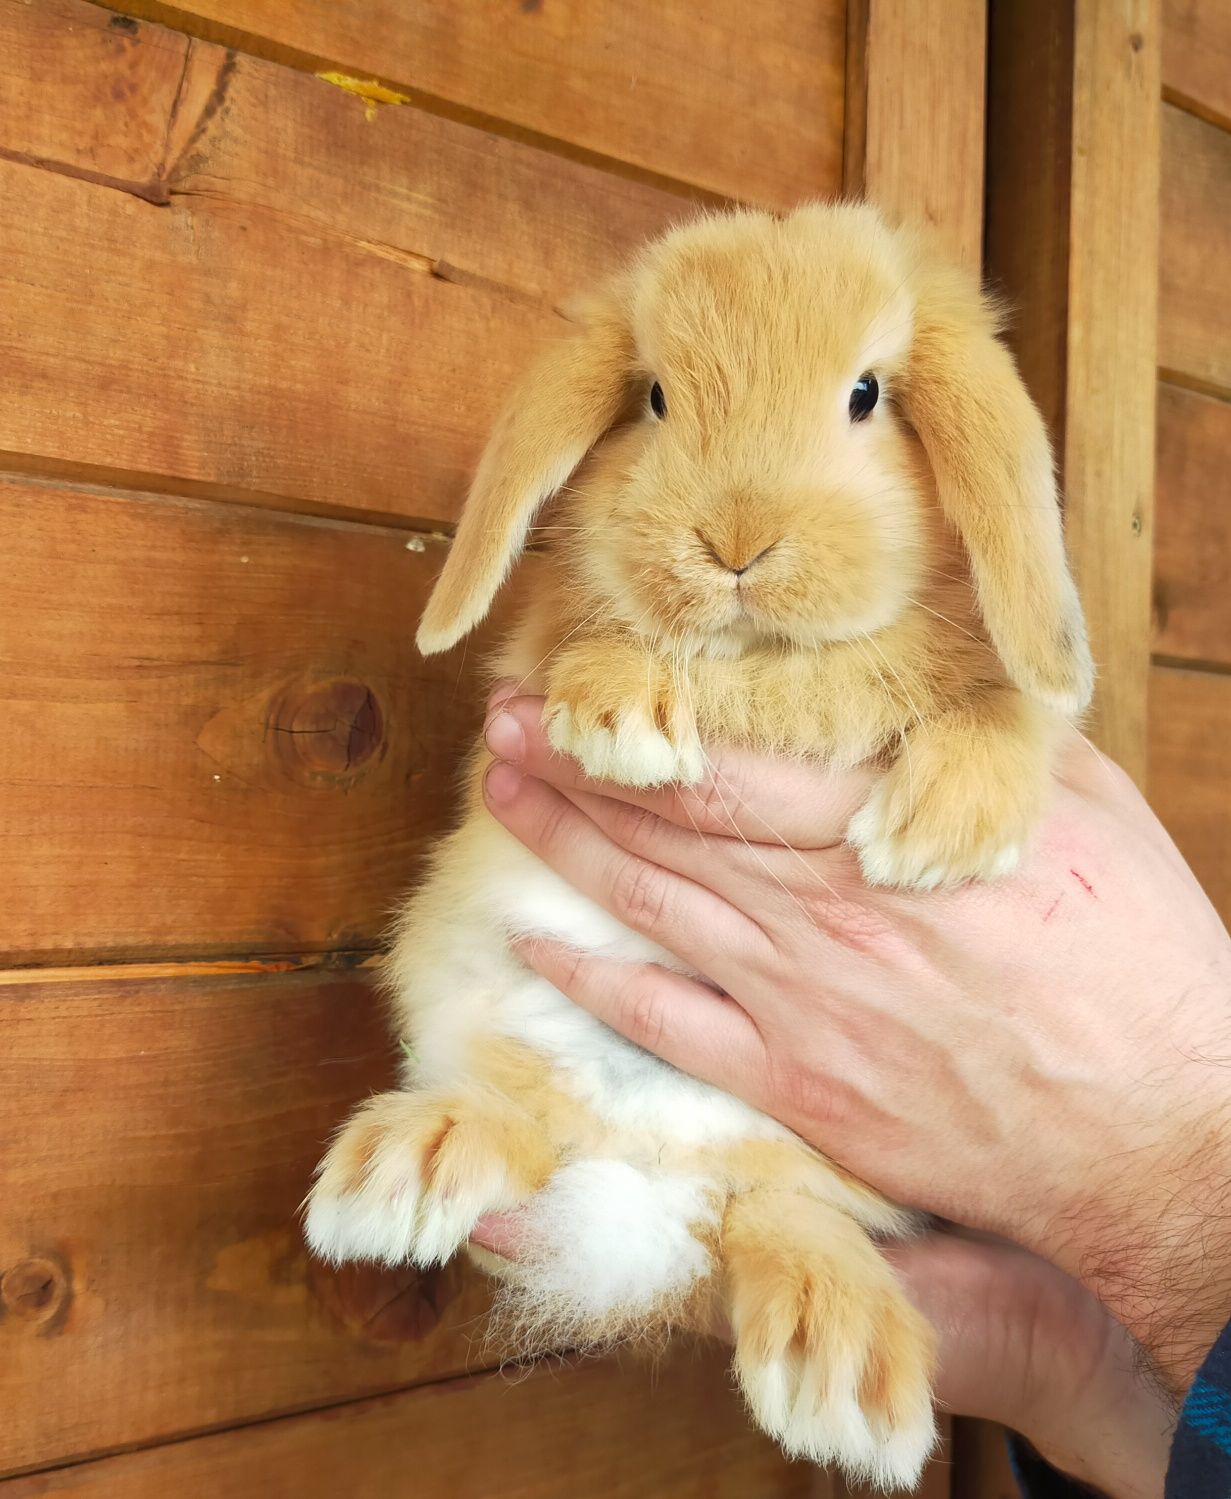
564	405
989	451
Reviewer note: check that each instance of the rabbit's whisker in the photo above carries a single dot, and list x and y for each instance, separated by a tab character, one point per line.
564	639
927	609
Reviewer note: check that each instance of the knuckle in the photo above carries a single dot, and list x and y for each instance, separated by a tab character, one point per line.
553	827
641	894
854	924
633	827
645	1016
712	801
803	1095
571	970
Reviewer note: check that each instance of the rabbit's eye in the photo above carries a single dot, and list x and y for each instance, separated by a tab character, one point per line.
864	397
658	401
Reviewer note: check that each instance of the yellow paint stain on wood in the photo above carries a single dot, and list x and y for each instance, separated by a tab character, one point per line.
371	92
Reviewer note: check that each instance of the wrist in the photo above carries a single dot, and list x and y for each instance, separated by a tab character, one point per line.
1098	1416
1155	1246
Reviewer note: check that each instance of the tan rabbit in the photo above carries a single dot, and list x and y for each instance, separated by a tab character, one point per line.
810	508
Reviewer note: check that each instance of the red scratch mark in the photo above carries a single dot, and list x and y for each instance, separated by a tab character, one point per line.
1084	883
1051	910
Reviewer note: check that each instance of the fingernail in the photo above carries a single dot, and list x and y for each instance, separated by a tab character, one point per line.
502	783
501	692
505	737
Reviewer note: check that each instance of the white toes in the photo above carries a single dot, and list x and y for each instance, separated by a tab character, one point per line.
389	1215
360	1225
827	1426
633	753
895	853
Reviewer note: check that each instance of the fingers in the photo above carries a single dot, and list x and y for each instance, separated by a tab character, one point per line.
687	919
684	1022
737	869
743	795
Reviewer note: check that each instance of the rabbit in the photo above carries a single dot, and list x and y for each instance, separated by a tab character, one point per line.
805	505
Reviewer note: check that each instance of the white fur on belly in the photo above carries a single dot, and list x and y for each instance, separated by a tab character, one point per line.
457	980
604	1239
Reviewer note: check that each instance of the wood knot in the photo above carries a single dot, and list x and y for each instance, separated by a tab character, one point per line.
401	1305
36	1291
325	731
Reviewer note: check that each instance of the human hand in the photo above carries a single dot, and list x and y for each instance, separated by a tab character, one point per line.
1042	1058
1022	1344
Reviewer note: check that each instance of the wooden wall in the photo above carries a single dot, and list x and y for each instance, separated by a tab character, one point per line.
252	327
1190	683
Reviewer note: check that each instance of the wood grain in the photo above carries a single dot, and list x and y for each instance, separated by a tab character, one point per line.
595	1430
915	113
158	1137
1190	770
71	72
1194	304
746	103
1108	461
1197	57
221	739
1072	239
1192	551
325	311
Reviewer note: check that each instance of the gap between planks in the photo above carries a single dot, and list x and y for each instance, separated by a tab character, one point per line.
1194	664
128	484
349	960
1195	107
291	1413
269	50
1194	383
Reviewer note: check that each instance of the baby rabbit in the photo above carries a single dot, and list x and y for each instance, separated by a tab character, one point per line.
805	505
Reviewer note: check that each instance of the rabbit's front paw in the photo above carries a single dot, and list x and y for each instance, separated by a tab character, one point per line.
411	1174
928	836
961	800
622	720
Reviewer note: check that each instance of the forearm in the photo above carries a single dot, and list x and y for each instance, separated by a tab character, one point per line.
1160	1258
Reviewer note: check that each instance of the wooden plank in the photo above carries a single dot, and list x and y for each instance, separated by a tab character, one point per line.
158	1137
915	115
324	313
1190	770
1192	550
1072	239
1108	460
221	738
1194	306
981	1467
1197	57
109	93
746	103
593	1429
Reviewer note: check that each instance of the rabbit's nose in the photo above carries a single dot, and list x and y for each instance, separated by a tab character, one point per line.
735	560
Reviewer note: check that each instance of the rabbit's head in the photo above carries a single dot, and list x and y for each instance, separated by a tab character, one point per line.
749	392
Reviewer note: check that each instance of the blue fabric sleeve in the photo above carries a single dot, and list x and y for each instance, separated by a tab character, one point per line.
1038	1480
1200	1466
